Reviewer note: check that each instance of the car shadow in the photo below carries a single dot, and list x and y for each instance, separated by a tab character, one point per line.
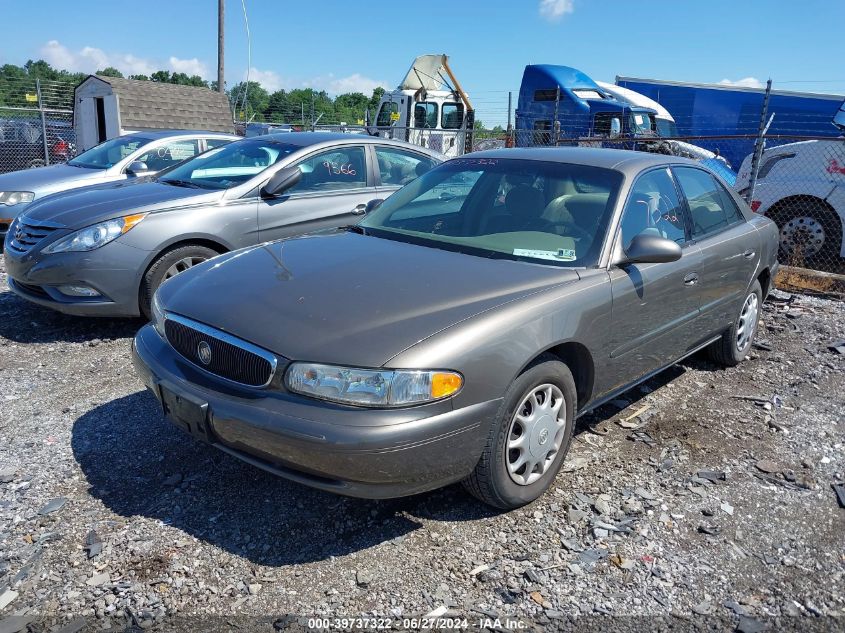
25	322
138	463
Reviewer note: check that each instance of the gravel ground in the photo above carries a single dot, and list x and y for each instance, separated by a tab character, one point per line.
717	511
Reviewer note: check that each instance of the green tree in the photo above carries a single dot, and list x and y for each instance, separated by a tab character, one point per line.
110	71
249	101
378	93
139	77
278	108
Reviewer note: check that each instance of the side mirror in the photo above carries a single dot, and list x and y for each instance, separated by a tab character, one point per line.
651	249
281	181
372	205
615	127
137	168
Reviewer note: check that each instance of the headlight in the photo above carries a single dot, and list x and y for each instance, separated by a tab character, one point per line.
158	315
95	236
372	387
16	197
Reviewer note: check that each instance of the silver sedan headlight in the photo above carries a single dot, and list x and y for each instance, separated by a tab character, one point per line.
95	236
372	387
16	197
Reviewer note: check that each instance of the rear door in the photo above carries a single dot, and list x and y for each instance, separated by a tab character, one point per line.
655	306
396	167
334	190
730	247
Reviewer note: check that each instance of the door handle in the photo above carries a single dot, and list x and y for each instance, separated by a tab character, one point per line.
748	254
361	209
691	279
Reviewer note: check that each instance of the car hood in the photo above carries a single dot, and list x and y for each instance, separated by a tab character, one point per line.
46	179
347	298
85	206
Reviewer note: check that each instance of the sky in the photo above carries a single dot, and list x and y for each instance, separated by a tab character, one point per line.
348	46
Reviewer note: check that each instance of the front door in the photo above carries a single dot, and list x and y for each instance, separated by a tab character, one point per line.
655	306
334	190
730	247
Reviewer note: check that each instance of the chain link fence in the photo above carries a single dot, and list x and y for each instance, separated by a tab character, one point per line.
36	124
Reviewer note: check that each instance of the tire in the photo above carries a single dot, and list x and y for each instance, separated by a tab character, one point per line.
728	351
168	265
809	231
492	481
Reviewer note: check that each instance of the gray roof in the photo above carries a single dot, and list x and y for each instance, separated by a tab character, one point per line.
156	105
609	158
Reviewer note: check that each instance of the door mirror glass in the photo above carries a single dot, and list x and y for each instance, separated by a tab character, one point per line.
281	181
137	168
615	127
651	249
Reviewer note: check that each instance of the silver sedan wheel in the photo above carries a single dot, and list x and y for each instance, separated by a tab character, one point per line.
535	434
747	321
182	265
802	234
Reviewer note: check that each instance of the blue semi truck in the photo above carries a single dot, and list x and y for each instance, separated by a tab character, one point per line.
550	94
707	110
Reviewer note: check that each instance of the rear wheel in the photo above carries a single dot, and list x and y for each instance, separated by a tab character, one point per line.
735	344
810	231
529	438
169	264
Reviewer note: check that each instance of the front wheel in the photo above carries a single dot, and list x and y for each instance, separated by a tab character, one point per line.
529	437
168	265
733	347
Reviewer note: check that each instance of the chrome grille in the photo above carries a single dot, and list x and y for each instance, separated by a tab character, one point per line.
26	234
228	357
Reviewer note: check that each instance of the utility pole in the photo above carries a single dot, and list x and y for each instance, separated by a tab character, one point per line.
221	84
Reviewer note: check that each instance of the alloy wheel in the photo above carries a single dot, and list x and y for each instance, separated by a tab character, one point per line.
182	265
747	321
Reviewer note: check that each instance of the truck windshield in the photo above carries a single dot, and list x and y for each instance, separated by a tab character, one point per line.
107	154
543	212
641	123
387	114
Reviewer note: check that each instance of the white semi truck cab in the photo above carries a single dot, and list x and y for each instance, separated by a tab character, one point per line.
428	108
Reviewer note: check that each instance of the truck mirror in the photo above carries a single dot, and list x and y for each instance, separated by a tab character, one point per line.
615	127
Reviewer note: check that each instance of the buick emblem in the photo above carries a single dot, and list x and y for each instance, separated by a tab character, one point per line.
544	435
204	352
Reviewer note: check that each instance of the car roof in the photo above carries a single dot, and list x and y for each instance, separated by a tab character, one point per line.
157	134
628	161
305	139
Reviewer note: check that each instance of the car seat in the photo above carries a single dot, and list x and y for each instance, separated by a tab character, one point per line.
524	206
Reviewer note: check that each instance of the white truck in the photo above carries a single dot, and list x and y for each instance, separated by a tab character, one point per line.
801	186
428	108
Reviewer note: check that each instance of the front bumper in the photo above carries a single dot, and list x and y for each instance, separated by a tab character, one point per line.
113	271
394	453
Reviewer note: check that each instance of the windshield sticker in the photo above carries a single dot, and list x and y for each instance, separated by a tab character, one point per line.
560	255
474	162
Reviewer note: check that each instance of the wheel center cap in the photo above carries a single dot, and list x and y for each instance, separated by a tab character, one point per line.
543	431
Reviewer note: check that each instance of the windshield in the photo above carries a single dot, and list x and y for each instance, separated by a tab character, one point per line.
545	212
641	123
230	165
667	128
110	153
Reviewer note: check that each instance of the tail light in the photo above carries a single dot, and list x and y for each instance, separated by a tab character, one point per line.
755	205
60	147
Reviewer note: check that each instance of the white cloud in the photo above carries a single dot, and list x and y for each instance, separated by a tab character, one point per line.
745	82
554	10
190	67
89	59
270	80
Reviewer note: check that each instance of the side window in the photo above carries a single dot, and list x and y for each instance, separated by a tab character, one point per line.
453	116
333	170
732	211
399	167
169	154
706	205
425	115
384	118
211	143
653	208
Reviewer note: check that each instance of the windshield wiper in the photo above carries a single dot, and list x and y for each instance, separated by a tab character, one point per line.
180	183
354	228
